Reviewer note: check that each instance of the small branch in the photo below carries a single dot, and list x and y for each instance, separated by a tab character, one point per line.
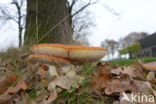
20	27
85	6
72	5
7	16
67	3
21	3
114	12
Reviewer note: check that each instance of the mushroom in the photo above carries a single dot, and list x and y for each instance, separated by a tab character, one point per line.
48	59
57	50
61	57
74	53
86	54
151	66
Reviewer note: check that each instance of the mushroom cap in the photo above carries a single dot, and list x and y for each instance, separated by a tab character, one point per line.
57	50
151	66
48	59
74	53
86	54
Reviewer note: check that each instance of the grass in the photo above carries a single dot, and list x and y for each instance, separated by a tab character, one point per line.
82	98
13	58
124	62
149	59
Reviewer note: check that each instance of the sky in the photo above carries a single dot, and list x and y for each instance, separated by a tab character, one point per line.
134	16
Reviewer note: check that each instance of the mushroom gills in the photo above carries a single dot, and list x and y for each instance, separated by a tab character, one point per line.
48	59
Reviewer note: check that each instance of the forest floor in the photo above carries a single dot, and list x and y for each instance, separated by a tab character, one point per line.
22	82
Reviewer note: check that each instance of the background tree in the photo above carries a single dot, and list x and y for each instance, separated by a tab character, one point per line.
111	46
123	51
131	50
129	44
132	38
17	15
82	24
105	44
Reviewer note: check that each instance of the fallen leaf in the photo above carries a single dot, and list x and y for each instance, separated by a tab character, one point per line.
12	91
50	98
153	81
116	102
8	78
41	72
133	72
119	85
65	82
117	71
53	71
69	70
99	79
6	81
150	76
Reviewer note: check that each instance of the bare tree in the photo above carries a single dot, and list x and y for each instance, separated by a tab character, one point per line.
82	24
105	44
82	20
17	15
132	38
71	6
111	46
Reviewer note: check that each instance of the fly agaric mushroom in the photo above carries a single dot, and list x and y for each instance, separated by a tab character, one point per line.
74	53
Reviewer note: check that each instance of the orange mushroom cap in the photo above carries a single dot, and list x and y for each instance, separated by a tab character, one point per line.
77	53
57	50
86	54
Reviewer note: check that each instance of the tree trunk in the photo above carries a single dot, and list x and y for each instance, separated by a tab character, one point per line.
20	37
130	55
42	20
